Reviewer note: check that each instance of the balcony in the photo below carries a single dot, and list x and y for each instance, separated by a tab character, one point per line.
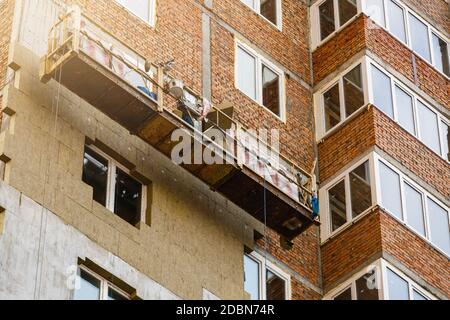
137	94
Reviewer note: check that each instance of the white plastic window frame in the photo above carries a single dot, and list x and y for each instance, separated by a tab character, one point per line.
351	282
263	265
411	284
381	267
319	99
406	21
111	182
104	284
425	196
315	19
367	64
324	204
151	14
415	97
260	61
257	8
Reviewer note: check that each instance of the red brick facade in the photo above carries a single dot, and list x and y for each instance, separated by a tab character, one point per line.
6	12
376	233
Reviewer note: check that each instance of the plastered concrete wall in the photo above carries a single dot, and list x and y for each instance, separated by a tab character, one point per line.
38	251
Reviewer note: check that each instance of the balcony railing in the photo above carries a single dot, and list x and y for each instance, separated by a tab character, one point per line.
89	61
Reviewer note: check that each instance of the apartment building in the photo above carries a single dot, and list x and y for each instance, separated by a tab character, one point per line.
96	96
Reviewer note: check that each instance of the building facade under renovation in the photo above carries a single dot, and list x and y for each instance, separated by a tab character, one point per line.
225	149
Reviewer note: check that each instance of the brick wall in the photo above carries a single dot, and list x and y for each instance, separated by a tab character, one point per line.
378	232
6	12
372	127
350	249
361	34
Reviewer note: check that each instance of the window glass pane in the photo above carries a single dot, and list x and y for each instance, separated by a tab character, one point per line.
396	20
345	295
275	287
326	16
353	91
360	189
375	10
141	8
382	92
246	73
440	55
445	129
438	218
405	110
128	196
95	174
114	295
428	124
419	37
390	190
271	90
250	3
336	196
269	10
398	288
414	209
366	287
418	296
251	278
332	109
89	287
347	10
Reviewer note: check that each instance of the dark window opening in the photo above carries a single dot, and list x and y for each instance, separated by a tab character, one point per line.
128	196
345	295
326	16
269	10
271	90
275	287
353	91
337	205
95	174
347	10
366	287
332	107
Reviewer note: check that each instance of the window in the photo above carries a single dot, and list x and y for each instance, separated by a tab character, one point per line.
405	110
396	20
336	196
398	287
415	207
363	287
390	190
343	98
264	281
439	227
333	14
445	132
269	9
429	127
379	281
409	110
440	55
332	108
144	9
327	22
419	37
353	91
401	288
350	196
375	10
259	80
93	287
112	186
382	92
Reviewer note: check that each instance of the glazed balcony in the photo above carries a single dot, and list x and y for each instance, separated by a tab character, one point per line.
139	95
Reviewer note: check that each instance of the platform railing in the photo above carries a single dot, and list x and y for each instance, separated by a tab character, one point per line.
75	32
